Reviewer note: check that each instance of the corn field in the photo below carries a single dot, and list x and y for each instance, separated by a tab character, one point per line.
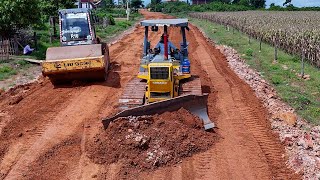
296	33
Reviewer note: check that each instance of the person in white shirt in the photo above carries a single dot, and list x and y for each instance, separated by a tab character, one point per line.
27	50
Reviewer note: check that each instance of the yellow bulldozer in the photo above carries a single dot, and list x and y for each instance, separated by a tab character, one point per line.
81	54
164	82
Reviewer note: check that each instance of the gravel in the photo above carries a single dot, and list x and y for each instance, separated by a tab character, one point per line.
301	140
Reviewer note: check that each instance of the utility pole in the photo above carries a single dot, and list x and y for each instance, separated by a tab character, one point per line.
80	4
128	11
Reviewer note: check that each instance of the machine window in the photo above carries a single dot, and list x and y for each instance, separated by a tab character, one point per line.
159	72
75	27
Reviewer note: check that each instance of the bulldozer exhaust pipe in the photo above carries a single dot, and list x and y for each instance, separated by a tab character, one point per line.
196	104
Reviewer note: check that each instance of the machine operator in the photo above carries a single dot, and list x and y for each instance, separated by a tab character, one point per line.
160	45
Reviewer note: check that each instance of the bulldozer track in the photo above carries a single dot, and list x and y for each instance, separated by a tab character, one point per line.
48	117
202	166
190	86
133	94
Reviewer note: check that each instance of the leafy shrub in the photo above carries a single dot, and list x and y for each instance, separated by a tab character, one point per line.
124	24
111	19
6	69
249	52
276	79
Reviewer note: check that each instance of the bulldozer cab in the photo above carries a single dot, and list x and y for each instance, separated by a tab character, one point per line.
153	25
162	71
76	27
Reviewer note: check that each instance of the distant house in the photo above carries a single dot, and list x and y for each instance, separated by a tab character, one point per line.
90	4
187	1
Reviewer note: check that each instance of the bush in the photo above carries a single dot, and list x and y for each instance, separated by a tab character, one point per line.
249	52
111	19
124	24
276	80
6	71
174	7
22	62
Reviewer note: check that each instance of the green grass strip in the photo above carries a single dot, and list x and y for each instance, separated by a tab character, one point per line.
303	95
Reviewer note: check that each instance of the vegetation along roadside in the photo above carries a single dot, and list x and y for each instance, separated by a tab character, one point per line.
302	94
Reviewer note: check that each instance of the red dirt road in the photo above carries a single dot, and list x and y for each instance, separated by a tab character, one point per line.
45	135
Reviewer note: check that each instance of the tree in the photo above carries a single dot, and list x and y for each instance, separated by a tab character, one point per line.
258	3
51	7
244	2
136	3
154	2
253	3
16	14
222	1
287	2
108	3
235	1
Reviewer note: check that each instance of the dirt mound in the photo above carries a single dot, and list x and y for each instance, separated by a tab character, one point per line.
148	142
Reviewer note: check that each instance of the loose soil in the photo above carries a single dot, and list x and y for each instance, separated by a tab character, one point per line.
46	117
149	142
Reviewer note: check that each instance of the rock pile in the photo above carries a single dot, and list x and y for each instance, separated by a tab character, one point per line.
302	141
149	142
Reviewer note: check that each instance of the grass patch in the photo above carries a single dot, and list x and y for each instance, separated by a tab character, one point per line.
13	67
6	71
113	30
302	95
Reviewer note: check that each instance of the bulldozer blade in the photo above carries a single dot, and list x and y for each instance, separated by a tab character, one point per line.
196	104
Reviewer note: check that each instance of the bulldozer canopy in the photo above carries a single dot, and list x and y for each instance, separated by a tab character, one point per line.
166	22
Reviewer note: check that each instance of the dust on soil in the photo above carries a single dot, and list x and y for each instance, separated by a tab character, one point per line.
148	142
52	162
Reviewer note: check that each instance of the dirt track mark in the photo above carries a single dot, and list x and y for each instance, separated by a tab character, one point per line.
27	123
242	152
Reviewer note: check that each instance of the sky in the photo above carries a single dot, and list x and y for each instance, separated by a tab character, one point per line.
298	3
